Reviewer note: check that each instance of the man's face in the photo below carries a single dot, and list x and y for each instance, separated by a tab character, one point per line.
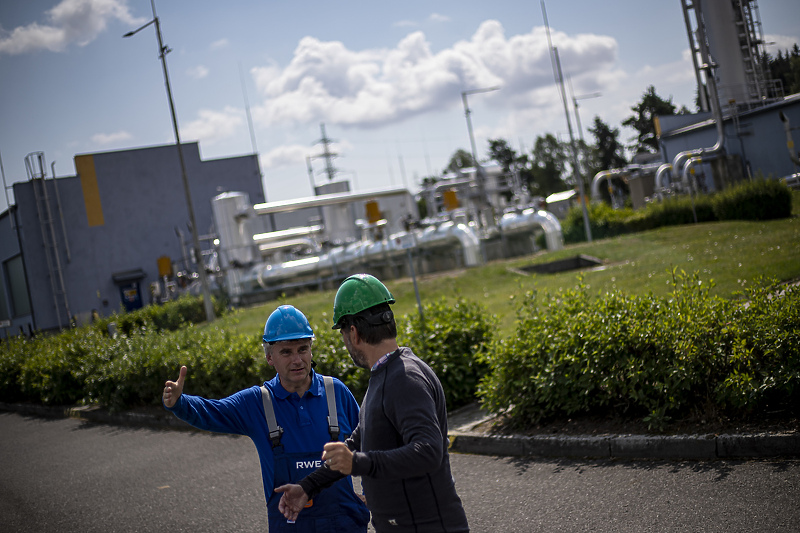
292	362
356	355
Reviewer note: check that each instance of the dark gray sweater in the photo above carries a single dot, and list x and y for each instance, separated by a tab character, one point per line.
401	453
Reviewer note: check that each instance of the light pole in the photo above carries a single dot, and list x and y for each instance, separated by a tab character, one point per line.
576	170
575	104
478	170
162	54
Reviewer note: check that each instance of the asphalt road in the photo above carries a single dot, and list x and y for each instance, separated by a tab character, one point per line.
65	475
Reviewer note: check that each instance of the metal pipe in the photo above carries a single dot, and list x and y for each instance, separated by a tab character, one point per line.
60	212
605	175
663	170
516	222
707	66
288	206
690	184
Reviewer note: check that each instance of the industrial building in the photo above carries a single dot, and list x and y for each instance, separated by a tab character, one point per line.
93	242
745	122
116	235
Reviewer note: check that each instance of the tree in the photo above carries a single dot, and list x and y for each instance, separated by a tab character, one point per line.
786	68
504	155
549	162
645	111
510	161
608	152
460	159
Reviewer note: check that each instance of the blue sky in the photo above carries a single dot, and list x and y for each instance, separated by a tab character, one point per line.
385	78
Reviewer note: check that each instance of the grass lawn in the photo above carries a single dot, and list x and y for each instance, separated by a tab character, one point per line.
731	255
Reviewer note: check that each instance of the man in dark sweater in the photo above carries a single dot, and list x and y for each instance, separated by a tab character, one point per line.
400	444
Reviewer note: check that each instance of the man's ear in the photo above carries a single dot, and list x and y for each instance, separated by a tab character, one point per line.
355	338
267	354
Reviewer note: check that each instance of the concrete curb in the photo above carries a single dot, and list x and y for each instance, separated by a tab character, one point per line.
666	447
98	415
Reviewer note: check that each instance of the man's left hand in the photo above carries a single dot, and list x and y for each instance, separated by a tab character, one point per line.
293	499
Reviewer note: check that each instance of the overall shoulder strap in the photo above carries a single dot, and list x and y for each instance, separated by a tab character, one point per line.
333	419
275	431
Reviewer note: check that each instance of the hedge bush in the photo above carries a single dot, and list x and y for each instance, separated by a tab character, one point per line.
128	370
654	358
685	354
604	221
451	341
167	317
759	199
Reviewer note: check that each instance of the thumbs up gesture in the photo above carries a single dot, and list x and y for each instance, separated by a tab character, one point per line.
174	389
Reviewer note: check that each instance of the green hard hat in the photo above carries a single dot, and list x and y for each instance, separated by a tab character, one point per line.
356	293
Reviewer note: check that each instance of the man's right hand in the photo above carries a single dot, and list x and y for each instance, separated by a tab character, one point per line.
173	390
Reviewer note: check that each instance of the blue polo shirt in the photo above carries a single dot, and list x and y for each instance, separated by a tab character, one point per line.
304	422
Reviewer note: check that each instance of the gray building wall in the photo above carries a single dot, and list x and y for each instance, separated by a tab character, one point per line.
15	309
759	140
143	201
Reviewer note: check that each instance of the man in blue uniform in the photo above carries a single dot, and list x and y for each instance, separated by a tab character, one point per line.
400	444
290	418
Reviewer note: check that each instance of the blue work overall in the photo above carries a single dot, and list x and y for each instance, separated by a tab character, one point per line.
324	513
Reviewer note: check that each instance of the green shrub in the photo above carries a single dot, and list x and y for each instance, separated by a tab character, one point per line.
333	360
132	370
760	199
655	358
14	352
452	340
674	211
169	316
604	222
763	364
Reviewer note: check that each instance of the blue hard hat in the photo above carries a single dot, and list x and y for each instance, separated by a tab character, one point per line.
287	323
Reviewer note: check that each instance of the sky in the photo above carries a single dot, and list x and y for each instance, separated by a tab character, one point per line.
385	79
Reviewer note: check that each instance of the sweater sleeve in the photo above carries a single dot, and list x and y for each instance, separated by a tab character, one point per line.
410	406
228	415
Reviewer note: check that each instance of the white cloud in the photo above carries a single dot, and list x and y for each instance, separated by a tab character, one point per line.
327	82
198	72
405	24
436	17
70	22
286	155
219	44
780	43
111	138
212	126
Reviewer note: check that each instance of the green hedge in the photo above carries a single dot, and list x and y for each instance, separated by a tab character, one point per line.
170	316
759	199
451	341
754	200
86	365
656	358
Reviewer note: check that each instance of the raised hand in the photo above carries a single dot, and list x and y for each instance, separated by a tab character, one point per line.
174	389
